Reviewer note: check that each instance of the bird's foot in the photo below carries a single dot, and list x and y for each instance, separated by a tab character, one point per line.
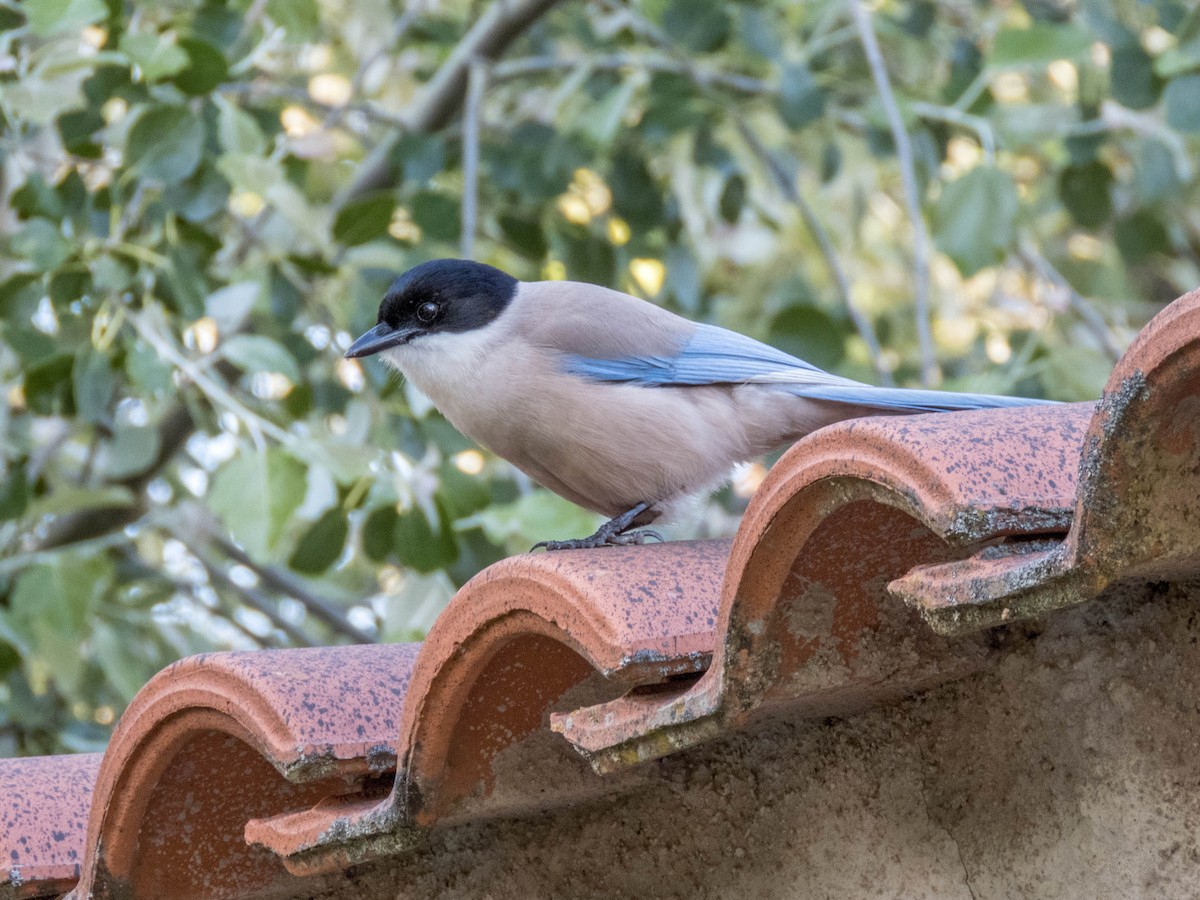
611	534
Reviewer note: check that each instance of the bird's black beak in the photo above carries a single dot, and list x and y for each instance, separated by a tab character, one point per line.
379	338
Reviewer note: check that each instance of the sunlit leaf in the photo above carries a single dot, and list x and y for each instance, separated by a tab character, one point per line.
154	54
1182	101
976	218
49	16
1040	43
255	494
258	353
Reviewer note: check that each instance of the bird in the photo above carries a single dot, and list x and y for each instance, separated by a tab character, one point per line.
611	401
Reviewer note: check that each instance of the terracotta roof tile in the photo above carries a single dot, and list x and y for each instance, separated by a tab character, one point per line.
43	822
280	763
1135	507
216	740
523	635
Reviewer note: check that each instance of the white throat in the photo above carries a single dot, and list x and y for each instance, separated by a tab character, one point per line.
446	365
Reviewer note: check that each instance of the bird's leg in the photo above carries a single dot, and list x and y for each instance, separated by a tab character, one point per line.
612	533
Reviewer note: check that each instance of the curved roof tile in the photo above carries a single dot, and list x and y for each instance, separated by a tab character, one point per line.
279	763
44	805
216	740
1135	507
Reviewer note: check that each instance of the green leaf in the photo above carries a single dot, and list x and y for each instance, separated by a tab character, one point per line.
700	26
132	451
42	243
126	671
524	233
437	214
94	384
322	544
1134	81
1086	192
364	219
77	128
539	516
229	306
603	121
205	69
165	144
976	219
462	494
636	197
35	198
801	100
1039	44
379	533
1075	372
241	136
420	545
733	198
1141	235
255	494
156	55
146	370
45	379
810	334
14	493
300	19
47	17
1182	101
257	353
1154	175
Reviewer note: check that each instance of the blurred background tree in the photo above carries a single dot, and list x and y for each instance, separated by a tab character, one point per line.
204	202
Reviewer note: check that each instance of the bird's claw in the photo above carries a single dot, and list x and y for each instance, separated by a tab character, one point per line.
600	540
611	534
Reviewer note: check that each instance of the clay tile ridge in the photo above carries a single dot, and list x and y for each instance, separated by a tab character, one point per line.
215	740
519	640
43	822
1134	510
975	519
280	763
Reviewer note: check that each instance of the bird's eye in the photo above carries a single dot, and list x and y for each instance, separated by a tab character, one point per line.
427	312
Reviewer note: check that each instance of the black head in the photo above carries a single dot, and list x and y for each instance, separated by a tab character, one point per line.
443	295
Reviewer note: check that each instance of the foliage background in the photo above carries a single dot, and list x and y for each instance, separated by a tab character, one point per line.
205	200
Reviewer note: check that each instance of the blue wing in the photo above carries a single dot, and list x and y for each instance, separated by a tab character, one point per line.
716	356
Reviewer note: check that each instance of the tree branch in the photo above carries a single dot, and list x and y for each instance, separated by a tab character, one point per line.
787	186
1091	318
252	598
476	85
292	587
908	176
493	33
175	428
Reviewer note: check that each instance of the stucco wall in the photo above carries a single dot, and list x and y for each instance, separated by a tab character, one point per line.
1067	769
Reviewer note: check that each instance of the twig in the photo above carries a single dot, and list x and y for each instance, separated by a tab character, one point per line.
787	185
335	114
1083	308
292	587
502	23
535	65
135	567
978	124
476	85
175	427
212	388
254	599
908	176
